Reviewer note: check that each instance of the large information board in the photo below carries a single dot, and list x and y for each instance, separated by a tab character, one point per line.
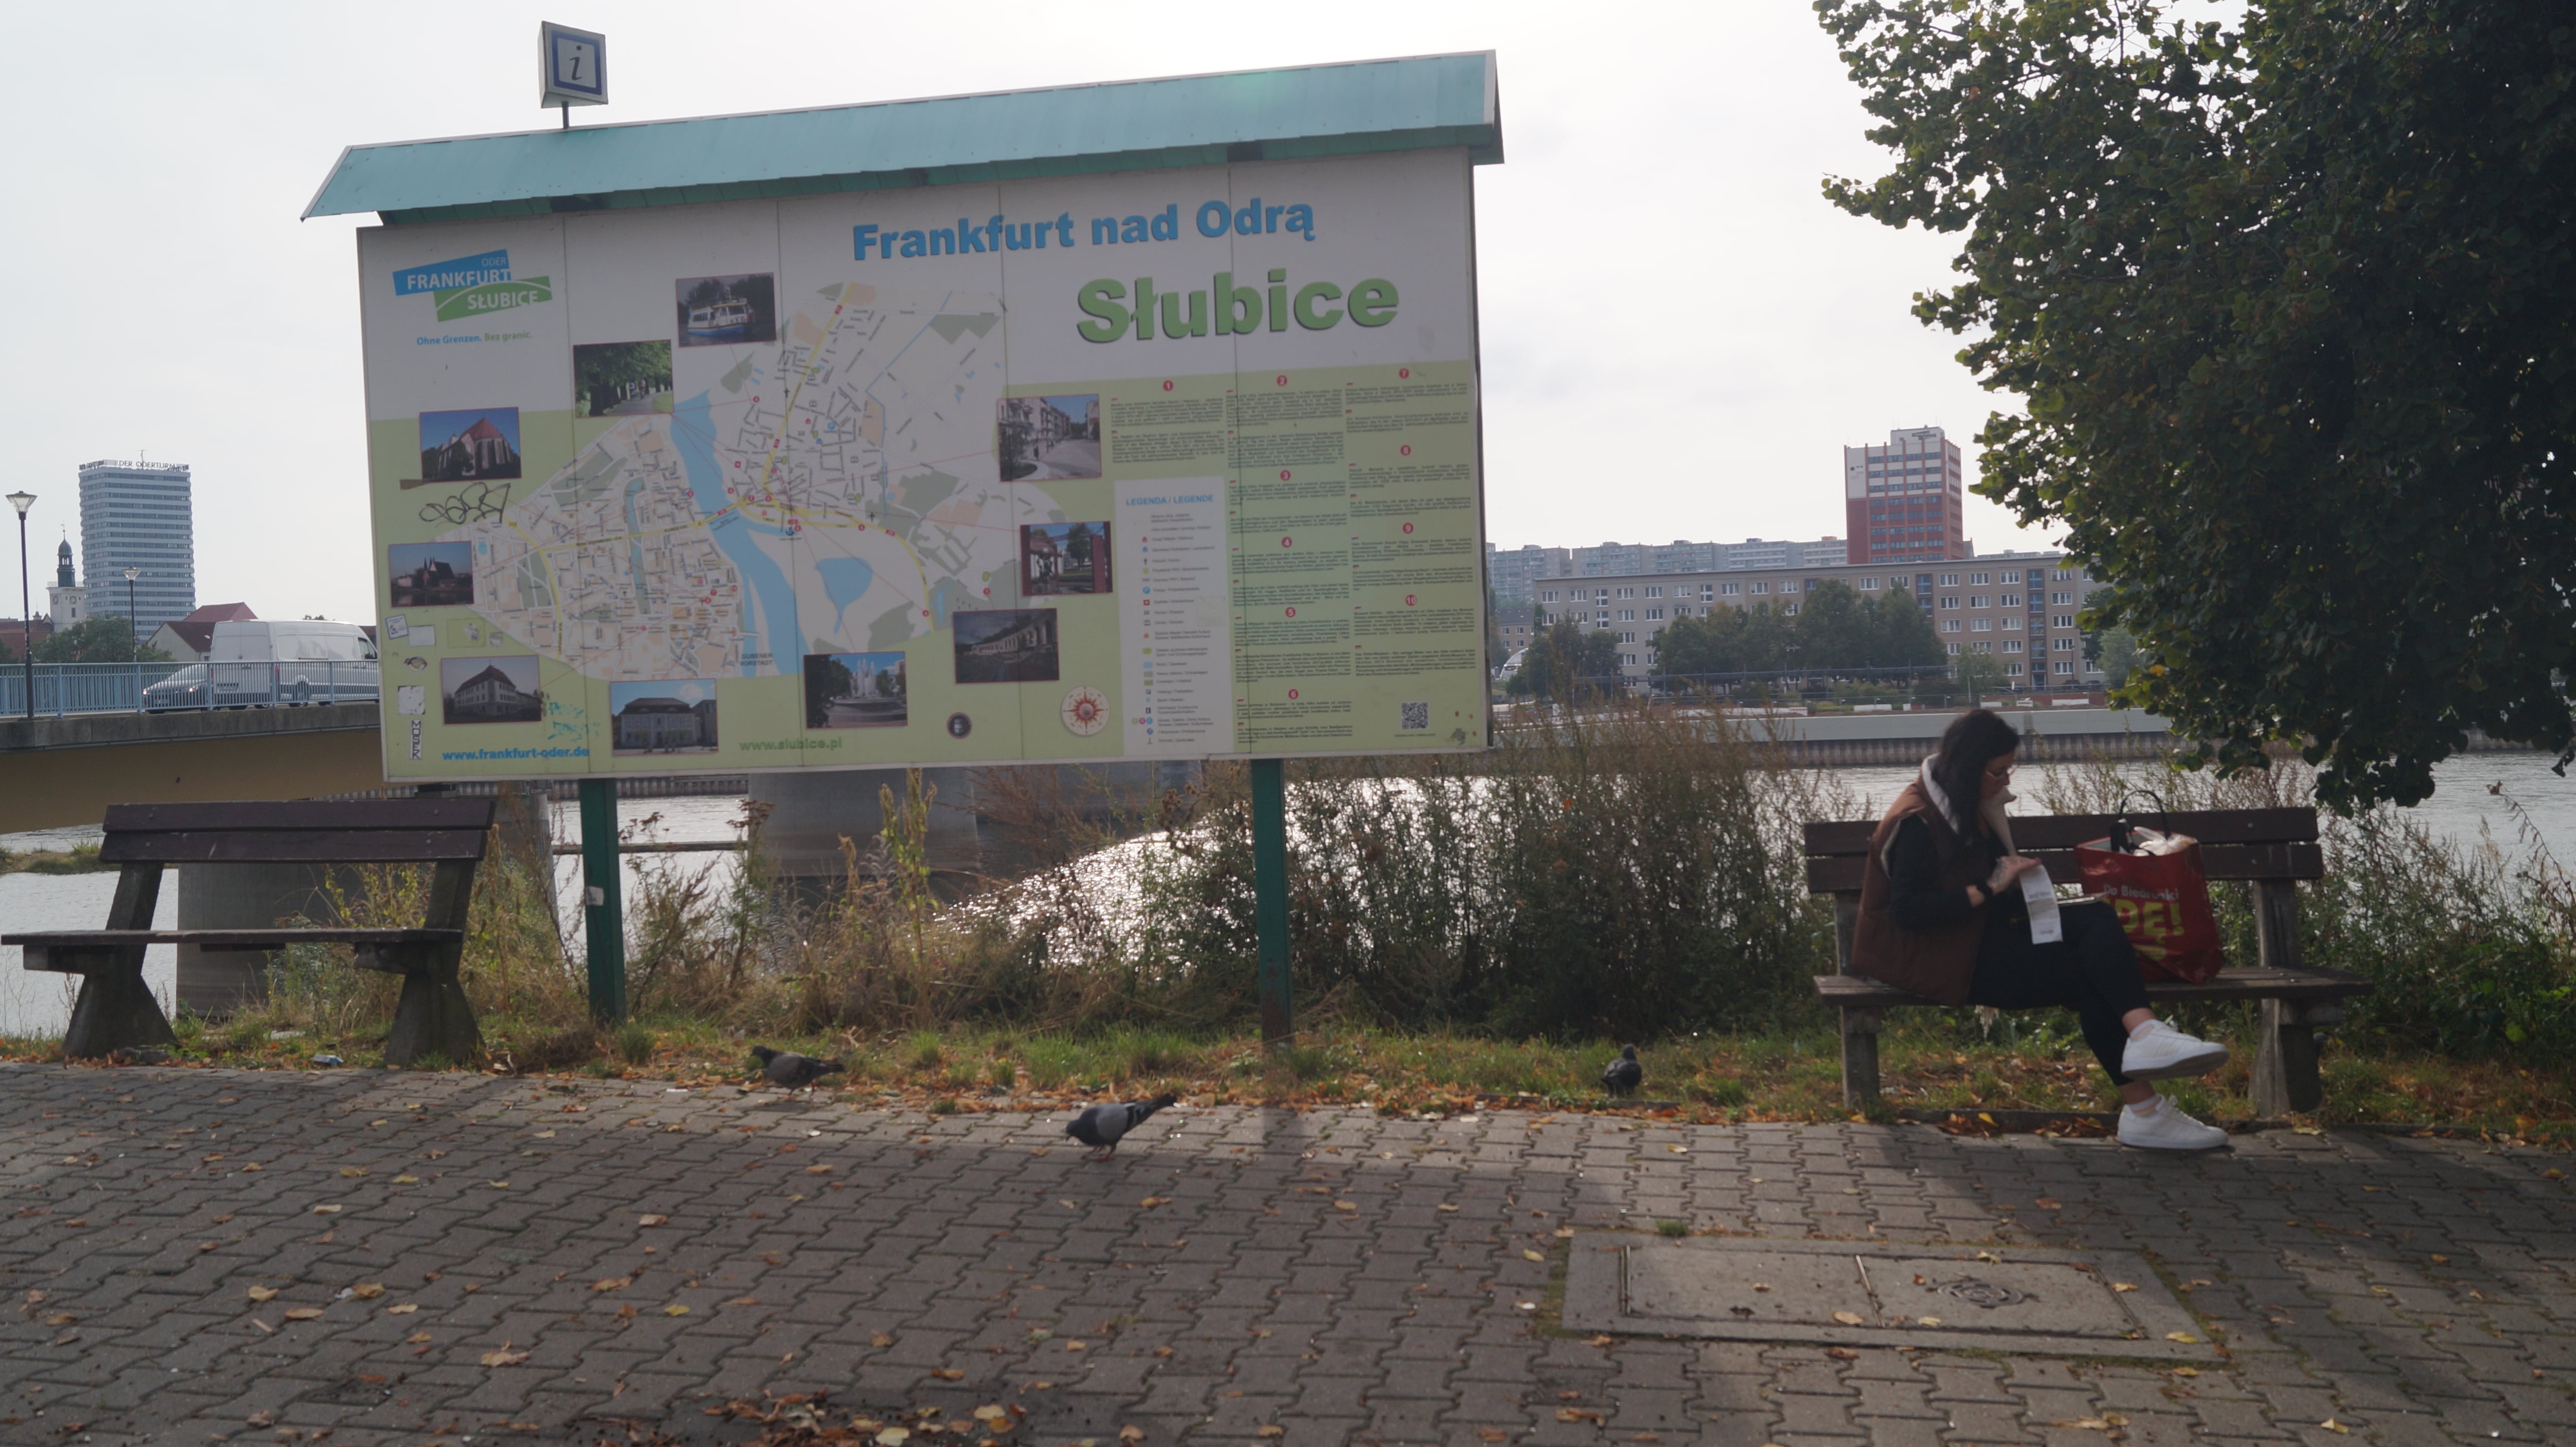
1166	464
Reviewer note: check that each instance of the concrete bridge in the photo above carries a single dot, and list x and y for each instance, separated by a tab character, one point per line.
62	771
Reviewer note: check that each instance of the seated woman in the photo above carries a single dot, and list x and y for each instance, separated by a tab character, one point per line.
1942	915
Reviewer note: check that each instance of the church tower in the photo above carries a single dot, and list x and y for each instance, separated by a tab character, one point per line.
65	601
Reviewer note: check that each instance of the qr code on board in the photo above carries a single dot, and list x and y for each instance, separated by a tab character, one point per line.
1417	716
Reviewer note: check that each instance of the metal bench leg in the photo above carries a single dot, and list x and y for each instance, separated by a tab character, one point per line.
2285	1056
433	1018
1860	1059
115	1011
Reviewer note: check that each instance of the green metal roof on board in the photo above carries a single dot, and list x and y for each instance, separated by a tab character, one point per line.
1315	110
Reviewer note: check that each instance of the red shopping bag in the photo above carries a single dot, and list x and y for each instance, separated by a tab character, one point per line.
2163	904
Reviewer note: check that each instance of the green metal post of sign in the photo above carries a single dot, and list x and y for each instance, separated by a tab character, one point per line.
603	910
1270	898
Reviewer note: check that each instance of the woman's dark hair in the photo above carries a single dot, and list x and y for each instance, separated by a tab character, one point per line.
1973	740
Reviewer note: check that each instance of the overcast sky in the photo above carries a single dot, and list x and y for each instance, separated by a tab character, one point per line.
1679	333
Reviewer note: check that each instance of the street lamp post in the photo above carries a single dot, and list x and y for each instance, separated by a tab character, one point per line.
26	613
131	624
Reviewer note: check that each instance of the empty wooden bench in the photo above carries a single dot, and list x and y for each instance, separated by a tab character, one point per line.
115	1010
2273	848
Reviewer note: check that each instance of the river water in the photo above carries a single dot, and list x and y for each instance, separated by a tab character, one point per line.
2470	808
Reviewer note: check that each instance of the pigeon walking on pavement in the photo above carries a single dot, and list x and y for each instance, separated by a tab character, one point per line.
791	1070
1623	1075
1102	1126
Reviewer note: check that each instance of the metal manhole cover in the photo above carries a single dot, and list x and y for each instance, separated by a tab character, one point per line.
1981	1293
1871	1293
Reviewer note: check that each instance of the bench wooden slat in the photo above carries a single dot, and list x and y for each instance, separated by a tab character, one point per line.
231	938
330	814
2218	861
1859	992
2035	832
279	846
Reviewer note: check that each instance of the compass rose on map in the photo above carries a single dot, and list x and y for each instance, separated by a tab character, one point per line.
1086	711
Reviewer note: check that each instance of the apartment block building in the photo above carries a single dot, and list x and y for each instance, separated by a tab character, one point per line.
1902	503
2019	606
1510	572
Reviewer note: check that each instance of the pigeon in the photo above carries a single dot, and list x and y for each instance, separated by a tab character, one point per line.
1623	1075
787	1068
1101	1126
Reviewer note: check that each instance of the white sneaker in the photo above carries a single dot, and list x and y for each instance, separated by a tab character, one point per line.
2161	1052
2167	1130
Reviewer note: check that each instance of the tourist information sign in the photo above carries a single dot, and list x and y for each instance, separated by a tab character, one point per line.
1143	463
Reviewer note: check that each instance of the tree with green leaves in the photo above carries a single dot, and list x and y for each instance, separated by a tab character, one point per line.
103	639
1978	673
2292	303
1559	659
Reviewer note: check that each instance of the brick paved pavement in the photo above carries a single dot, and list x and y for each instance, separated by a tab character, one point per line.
1343	1277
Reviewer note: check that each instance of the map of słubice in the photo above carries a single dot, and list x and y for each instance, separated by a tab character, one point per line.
833	493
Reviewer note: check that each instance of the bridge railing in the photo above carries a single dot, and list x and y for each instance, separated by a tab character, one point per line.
68	688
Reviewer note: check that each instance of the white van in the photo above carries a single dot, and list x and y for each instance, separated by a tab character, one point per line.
253	662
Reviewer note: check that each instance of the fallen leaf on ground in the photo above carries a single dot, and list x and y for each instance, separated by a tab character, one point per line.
1162	1351
652	1220
1131	1434
326	1210
893	1437
1492	1434
61	1318
406	1180
1273	1430
1445	1206
1533	1256
1929	1320
498	1185
948	1374
1150	1202
2124	1286
1848	1318
263	1293
353	1172
1602	1340
1577	1414
416	1338
881	1340
1077	1346
2180	1336
1842	1354
303	1313
612	1283
503	1358
260	1419
2331	1425
675	1309
991	1413
367	1290
403	1308
2046	1204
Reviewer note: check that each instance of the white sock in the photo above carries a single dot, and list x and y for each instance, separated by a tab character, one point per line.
2148	1106
2143	1027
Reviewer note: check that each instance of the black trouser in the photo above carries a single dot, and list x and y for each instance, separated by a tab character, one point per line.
2092	969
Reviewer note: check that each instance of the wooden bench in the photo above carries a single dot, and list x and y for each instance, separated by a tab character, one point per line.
115	1009
2274	848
